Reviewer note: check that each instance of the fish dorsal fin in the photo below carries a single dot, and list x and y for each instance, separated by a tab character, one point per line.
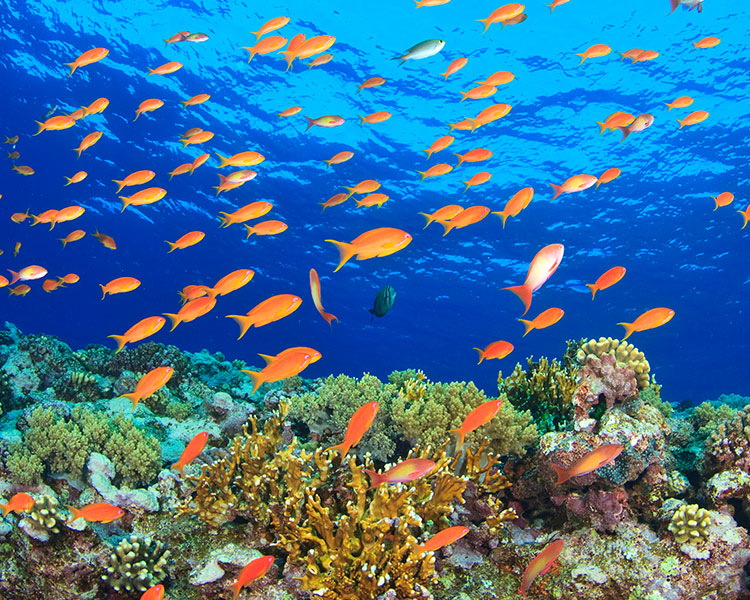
268	358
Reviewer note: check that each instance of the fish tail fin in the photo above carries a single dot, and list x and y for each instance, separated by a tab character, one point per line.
551	7
224	161
250	231
529	325
172	246
583	57
429	219
682	124
70	180
675	4
329	317
481	355
257	35
310	123
460	158
244	321
64	243
176	320
593	288
423	174
104	291
16	277
79	150
132	396
76	513
465	95
138	114
745	216
179	466
346	251
475	123
602	127
598	183
224	220
363	120
717	203
185	143
257	378
468	185
359	203
487	24
562	474
558	190
629	328
120	183
524	294
5	508
502	214
341	448
669	105
73	66
447	226
184	104
41	128
375	479
626	132
124	202
460	435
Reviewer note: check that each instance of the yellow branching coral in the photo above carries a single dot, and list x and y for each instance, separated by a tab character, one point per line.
624	352
353	542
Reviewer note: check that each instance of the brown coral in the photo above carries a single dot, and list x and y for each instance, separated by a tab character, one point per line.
728	447
625	355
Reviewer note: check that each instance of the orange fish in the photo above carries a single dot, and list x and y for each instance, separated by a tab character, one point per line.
488	115
334	200
745	216
646	55
556	3
320	60
141	330
79	114
20	290
191	311
166	68
588	463
466	217
479	92
439	144
155	592
121	285
315	45
20	502
254	570
446	213
641	122
607	176
707	42
543	319
48	216
50	285
292	110
105	240
405	471
191	451
195	100
149	384
3	281
436	171
498	78
99	512
288	363
504	13
23	169
693	118
181	170
271	25
191	292
370	83
632	54
382	241
366	186
198	138
198	162
87	58
11	140
615	121
177	37
272	309
73	236
231	282
315	292
464	125
234	180
421	3
97	106
15	155
265	46
681	102
723	199
271	227
358	425
543	561
516	20
656	317
577	183
250	211
55	124
376	117
88	141
190	132
477	179
595	51
143	197
476	155
77	178
443	538
30	273
339	158
499	349
455	66
243	159
543	265
372	200
70	278
148	106
189	239
136	178
516	204
481	415
606	279
69	213
20	217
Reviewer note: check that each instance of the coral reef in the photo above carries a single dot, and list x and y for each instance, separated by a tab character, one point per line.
602	383
625	354
136	564
690	523
728	446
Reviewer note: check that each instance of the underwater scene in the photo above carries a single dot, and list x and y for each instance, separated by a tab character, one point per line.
410	299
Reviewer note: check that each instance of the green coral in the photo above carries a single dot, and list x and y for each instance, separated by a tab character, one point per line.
136	564
652	395
690	523
56	444
707	417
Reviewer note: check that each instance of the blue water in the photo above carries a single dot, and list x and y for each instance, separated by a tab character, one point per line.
656	219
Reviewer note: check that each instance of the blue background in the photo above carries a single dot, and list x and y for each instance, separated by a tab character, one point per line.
657	219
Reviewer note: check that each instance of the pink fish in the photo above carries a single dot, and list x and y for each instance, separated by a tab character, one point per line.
541	563
407	470
542	266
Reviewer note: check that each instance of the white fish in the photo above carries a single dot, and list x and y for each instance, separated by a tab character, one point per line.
421	50
691	4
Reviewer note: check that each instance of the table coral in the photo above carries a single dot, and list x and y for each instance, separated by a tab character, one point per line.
625	355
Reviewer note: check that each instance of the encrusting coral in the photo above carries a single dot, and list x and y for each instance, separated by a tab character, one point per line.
690	523
625	355
352	542
136	564
728	447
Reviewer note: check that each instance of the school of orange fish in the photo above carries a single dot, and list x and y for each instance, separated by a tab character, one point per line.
198	300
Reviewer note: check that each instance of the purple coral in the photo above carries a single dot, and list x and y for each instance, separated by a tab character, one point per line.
602	379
